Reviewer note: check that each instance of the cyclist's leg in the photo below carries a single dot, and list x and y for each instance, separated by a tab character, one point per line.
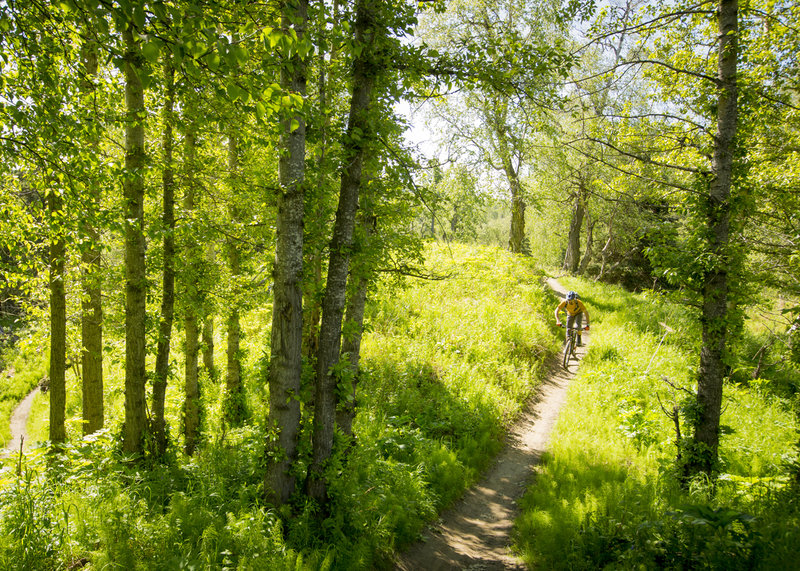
571	322
579	326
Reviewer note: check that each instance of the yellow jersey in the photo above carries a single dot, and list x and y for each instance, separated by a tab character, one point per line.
572	307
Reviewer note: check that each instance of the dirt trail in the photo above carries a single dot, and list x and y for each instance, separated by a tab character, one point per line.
475	533
19	421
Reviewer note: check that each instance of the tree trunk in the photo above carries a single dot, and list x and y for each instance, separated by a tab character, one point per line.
365	71
91	276
287	314
191	383
208	347
354	318
168	272
58	320
517	237
234	393
573	255
716	284
135	276
497	116
208	318
191	403
587	256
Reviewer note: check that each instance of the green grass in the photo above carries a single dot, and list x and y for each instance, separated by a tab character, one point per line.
448	365
606	495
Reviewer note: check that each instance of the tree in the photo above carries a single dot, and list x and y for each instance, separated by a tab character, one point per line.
285	366
135	270
58	318
91	260
192	284
507	56
234	390
370	34
715	280
691	146
161	373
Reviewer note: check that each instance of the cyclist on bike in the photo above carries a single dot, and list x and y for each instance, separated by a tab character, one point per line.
575	310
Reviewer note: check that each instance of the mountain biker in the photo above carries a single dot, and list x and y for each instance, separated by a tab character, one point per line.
575	310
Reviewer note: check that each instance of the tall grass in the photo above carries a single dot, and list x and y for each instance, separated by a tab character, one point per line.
448	364
606	495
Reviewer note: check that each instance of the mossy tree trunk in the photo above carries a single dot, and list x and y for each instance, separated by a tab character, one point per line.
135	275
287	314
168	271
91	274
716	283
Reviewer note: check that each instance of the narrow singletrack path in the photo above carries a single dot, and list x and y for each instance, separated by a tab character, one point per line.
19	421
475	533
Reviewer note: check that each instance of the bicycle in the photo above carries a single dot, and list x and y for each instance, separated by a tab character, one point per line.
569	347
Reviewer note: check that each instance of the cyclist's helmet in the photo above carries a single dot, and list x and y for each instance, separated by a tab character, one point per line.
571	295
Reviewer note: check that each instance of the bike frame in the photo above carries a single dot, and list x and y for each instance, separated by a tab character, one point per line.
569	347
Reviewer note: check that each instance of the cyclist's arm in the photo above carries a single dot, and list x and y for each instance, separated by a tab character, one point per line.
558	309
585	312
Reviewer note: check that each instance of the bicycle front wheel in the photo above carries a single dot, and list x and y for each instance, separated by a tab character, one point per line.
568	351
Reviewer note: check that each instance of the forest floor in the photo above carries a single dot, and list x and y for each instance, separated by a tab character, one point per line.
475	534
19	422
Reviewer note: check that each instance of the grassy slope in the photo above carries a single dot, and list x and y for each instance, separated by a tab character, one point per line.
448	364
606	497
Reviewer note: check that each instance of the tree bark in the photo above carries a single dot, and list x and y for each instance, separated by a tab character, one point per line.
191	386
208	319
168	271
135	276
287	315
58	320
354	318
573	255
588	253
234	393
358	134
716	284
91	272
208	347
517	237
191	383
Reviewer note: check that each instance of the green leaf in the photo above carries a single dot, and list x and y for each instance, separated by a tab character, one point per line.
151	51
139	17
274	37
234	93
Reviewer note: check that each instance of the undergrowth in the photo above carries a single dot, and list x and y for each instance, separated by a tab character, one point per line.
448	364
606	494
